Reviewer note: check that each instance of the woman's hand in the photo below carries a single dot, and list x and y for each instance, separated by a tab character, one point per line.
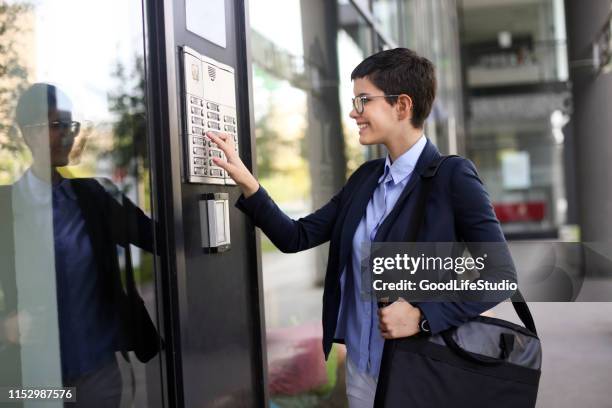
233	165
16	327
399	319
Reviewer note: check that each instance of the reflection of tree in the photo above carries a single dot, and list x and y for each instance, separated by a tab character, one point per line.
269	145
127	102
13	81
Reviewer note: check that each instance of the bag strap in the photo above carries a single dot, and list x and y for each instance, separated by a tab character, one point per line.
419	213
523	312
518	301
411	236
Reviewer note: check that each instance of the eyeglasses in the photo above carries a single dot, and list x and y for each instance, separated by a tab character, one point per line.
360	101
72	126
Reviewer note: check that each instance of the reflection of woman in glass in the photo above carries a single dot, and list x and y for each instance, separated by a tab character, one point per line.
77	223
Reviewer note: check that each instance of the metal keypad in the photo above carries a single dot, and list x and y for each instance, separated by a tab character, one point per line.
204	78
202	146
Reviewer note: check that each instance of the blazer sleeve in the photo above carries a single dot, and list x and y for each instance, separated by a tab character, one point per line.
479	228
286	234
126	221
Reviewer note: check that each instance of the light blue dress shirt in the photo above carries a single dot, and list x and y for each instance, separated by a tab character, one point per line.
358	318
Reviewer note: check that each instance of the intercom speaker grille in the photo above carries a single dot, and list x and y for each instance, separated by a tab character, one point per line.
212	72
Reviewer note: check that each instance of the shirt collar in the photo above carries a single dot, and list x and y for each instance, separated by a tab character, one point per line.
403	166
39	191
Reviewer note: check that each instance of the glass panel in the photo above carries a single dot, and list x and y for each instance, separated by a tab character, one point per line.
301	111
515	43
432	30
306	146
354	44
75	203
386	14
516	65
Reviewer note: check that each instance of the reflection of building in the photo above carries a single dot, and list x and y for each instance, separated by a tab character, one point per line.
516	78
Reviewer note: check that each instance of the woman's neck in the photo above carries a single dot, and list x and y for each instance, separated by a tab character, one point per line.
400	145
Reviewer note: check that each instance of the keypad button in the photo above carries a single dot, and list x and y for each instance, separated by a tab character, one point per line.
199	151
212	106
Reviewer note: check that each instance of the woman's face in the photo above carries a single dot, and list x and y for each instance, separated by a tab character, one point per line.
56	136
378	121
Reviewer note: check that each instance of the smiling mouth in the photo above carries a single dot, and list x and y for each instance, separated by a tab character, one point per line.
362	126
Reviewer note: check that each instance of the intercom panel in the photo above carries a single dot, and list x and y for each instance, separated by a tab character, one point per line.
209	105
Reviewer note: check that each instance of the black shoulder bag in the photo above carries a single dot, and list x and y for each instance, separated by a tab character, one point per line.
485	362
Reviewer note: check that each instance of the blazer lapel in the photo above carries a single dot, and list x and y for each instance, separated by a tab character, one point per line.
430	152
357	207
93	217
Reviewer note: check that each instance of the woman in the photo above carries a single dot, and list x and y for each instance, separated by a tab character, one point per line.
394	92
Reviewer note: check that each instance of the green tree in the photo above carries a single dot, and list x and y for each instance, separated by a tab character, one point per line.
13	81
127	102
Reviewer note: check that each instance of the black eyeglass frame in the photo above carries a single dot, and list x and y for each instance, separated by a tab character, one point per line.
366	98
71	125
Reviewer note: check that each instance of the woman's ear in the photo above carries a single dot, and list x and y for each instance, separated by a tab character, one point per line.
404	106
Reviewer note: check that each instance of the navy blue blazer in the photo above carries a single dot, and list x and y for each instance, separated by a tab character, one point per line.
457	209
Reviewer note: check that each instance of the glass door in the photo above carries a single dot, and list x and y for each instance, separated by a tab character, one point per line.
77	275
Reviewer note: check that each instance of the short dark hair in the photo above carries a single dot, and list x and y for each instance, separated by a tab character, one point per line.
402	71
37	101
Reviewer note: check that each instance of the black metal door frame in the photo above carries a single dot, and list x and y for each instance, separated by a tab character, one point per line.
163	121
